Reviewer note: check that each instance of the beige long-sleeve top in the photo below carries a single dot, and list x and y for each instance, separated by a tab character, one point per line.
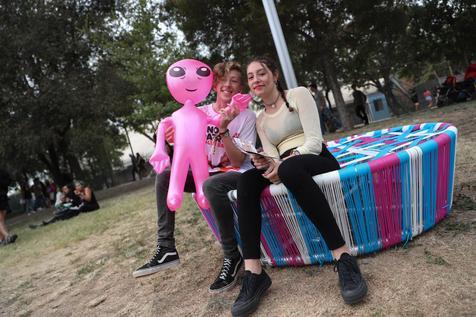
285	130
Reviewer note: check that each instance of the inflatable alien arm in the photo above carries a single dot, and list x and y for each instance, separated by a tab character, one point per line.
238	101
160	160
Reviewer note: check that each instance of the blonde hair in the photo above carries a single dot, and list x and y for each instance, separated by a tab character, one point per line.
221	70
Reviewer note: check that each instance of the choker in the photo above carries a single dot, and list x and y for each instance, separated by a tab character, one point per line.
273	104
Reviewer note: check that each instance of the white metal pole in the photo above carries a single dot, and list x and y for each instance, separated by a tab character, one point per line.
280	43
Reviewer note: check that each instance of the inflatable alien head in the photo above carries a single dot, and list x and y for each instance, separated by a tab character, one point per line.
189	79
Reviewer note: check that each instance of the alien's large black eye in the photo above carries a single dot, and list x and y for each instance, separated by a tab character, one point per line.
177	71
203	71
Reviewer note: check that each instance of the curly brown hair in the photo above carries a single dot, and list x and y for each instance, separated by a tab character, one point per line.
221	70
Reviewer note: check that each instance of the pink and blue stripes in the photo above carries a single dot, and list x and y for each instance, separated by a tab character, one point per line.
394	184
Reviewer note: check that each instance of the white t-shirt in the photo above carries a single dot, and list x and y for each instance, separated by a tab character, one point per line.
243	127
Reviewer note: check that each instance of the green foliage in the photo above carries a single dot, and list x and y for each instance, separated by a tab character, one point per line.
142	50
239	30
74	72
58	101
335	42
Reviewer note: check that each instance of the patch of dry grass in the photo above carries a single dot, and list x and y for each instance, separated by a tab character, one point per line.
84	266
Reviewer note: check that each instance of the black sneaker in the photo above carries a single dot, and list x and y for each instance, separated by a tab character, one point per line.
352	284
163	258
227	277
253	287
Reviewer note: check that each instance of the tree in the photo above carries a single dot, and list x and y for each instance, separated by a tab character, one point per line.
378	49
49	85
239	30
442	31
142	51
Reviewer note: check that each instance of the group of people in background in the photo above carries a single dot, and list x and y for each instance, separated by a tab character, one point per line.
329	122
37	196
73	199
139	166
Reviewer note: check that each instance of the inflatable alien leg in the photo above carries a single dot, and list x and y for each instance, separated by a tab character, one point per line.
178	176
200	175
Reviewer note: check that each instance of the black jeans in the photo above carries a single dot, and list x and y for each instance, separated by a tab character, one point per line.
71	212
296	174
215	188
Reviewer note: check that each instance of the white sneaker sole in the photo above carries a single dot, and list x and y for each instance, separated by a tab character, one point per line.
155	269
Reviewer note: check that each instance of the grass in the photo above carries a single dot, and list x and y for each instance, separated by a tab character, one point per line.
65	234
434	259
55	270
463	202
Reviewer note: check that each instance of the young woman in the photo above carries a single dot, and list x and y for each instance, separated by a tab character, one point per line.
289	129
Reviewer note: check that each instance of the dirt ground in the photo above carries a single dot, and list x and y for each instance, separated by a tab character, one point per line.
83	267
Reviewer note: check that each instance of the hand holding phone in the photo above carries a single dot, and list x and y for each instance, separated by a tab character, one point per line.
260	161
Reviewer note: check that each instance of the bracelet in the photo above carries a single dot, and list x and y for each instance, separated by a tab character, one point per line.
225	133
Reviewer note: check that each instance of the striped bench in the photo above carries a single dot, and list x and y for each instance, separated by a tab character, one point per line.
393	185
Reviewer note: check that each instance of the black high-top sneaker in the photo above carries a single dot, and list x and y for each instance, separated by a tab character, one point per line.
352	284
163	258
226	279
253	287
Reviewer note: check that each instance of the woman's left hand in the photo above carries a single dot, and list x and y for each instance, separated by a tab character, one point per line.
272	172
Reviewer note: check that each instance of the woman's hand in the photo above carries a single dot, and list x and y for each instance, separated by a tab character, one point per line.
272	172
259	161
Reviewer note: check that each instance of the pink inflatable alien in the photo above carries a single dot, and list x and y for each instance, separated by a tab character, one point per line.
189	81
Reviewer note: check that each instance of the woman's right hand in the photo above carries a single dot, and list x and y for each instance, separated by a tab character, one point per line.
259	161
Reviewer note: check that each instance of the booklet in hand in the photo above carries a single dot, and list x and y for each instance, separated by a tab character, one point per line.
249	148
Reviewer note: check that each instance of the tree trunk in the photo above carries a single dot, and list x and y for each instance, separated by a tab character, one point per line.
327	98
147	136
73	162
392	101
107	171
75	167
52	164
331	78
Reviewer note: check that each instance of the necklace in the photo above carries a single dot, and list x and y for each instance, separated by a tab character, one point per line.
273	104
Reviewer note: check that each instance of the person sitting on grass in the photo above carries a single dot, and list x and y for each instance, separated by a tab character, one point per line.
88	200
5	236
66	198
